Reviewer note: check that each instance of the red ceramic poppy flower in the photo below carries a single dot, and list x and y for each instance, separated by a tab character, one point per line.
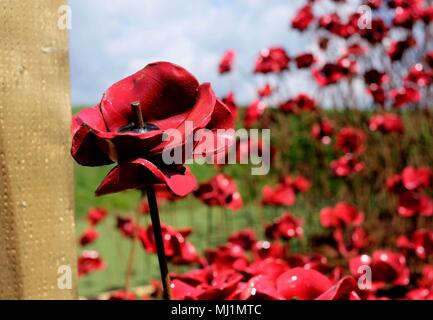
272	268
420	242
387	268
377	32
245	238
355	49
405	95
331	22
177	249
351	140
222	286
304	17
386	123
346	165
351	241
302	284
253	113
419	76
412	203
259	287
89	236
126	226
96	215
284	193
285	227
220	191
429	58
226	63
373	76
398	48
323	130
342	215
90	261
169	97
305	60
374	4
227	257
265	91
272	60
265	249
328	74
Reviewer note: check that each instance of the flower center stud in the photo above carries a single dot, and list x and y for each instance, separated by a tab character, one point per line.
138	125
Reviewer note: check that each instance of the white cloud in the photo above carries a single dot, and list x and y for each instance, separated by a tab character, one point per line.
110	40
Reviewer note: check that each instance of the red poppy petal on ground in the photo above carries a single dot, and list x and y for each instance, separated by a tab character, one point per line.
140	173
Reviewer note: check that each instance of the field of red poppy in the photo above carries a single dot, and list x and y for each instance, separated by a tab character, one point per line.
346	209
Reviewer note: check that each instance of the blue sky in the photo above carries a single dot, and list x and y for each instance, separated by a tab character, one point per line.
112	39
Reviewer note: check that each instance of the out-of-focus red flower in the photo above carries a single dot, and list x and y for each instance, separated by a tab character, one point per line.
272	60
177	249
302	284
90	261
404	17
328	74
229	101
89	236
285	227
265	91
305	60
386	123
345	289
272	268
425	285
227	257
107	133
378	94
374	4
303	18
253	113
346	165
351	140
250	148
387	268
412	203
340	216
398	48
284	193
420	242
183	291
96	215
265	249
331	22
226	62
312	261
302	102
220	191
126	226
222	286
323	130
376	33
414	178
350	242
355	49
122	295
245	238
419	76
257	288
373	76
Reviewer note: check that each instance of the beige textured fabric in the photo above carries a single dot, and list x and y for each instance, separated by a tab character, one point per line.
36	170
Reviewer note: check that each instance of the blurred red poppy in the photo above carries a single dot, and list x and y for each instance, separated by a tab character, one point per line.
342	215
272	60
226	62
303	18
323	130
305	60
386	123
285	227
220	191
96	215
89	236
90	261
351	140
